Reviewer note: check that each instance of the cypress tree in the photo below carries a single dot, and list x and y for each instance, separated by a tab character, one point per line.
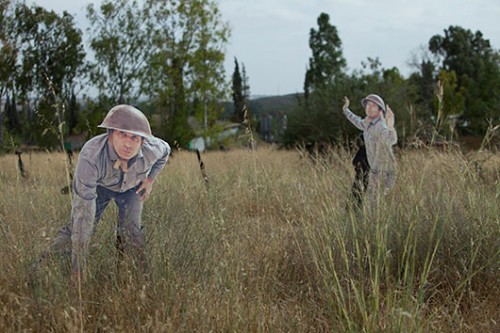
238	97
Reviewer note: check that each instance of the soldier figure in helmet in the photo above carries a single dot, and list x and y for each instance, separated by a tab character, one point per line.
379	136
120	165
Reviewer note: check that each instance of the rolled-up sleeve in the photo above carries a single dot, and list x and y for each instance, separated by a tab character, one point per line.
389	136
354	119
162	149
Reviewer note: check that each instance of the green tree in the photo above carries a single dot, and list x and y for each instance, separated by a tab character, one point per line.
73	113
52	50
327	63
449	103
8	57
238	98
207	75
245	84
10	110
186	73
48	63
121	41
319	117
400	94
477	68
424	83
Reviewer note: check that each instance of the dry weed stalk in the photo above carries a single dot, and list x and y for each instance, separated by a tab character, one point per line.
248	128
202	168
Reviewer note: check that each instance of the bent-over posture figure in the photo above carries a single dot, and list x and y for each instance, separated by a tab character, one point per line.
120	165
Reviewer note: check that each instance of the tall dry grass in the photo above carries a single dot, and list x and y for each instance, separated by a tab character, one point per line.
272	245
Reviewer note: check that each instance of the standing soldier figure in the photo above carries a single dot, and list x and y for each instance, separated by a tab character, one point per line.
379	136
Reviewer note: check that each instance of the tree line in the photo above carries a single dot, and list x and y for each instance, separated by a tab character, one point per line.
453	91
166	57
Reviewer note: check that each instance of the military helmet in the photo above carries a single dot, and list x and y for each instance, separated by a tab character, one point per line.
129	119
375	99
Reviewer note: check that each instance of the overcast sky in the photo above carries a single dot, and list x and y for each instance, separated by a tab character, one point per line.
270	37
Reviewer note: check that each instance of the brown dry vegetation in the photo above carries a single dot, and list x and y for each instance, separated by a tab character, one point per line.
270	246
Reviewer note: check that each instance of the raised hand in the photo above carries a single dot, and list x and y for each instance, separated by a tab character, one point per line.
346	103
389	117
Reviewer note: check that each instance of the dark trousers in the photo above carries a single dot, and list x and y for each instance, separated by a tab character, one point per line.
361	178
130	234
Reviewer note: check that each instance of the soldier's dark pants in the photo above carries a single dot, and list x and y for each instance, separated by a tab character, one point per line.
130	234
362	170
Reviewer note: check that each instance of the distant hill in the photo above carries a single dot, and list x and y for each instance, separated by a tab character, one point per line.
267	105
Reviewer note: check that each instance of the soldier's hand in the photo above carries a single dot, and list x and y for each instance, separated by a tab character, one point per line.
389	117
346	103
145	189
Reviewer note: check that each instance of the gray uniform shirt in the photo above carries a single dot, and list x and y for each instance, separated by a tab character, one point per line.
95	167
379	139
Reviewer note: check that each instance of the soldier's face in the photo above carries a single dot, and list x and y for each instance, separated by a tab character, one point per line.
372	110
126	144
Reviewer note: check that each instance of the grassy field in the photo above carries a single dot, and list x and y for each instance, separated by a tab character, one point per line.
271	245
